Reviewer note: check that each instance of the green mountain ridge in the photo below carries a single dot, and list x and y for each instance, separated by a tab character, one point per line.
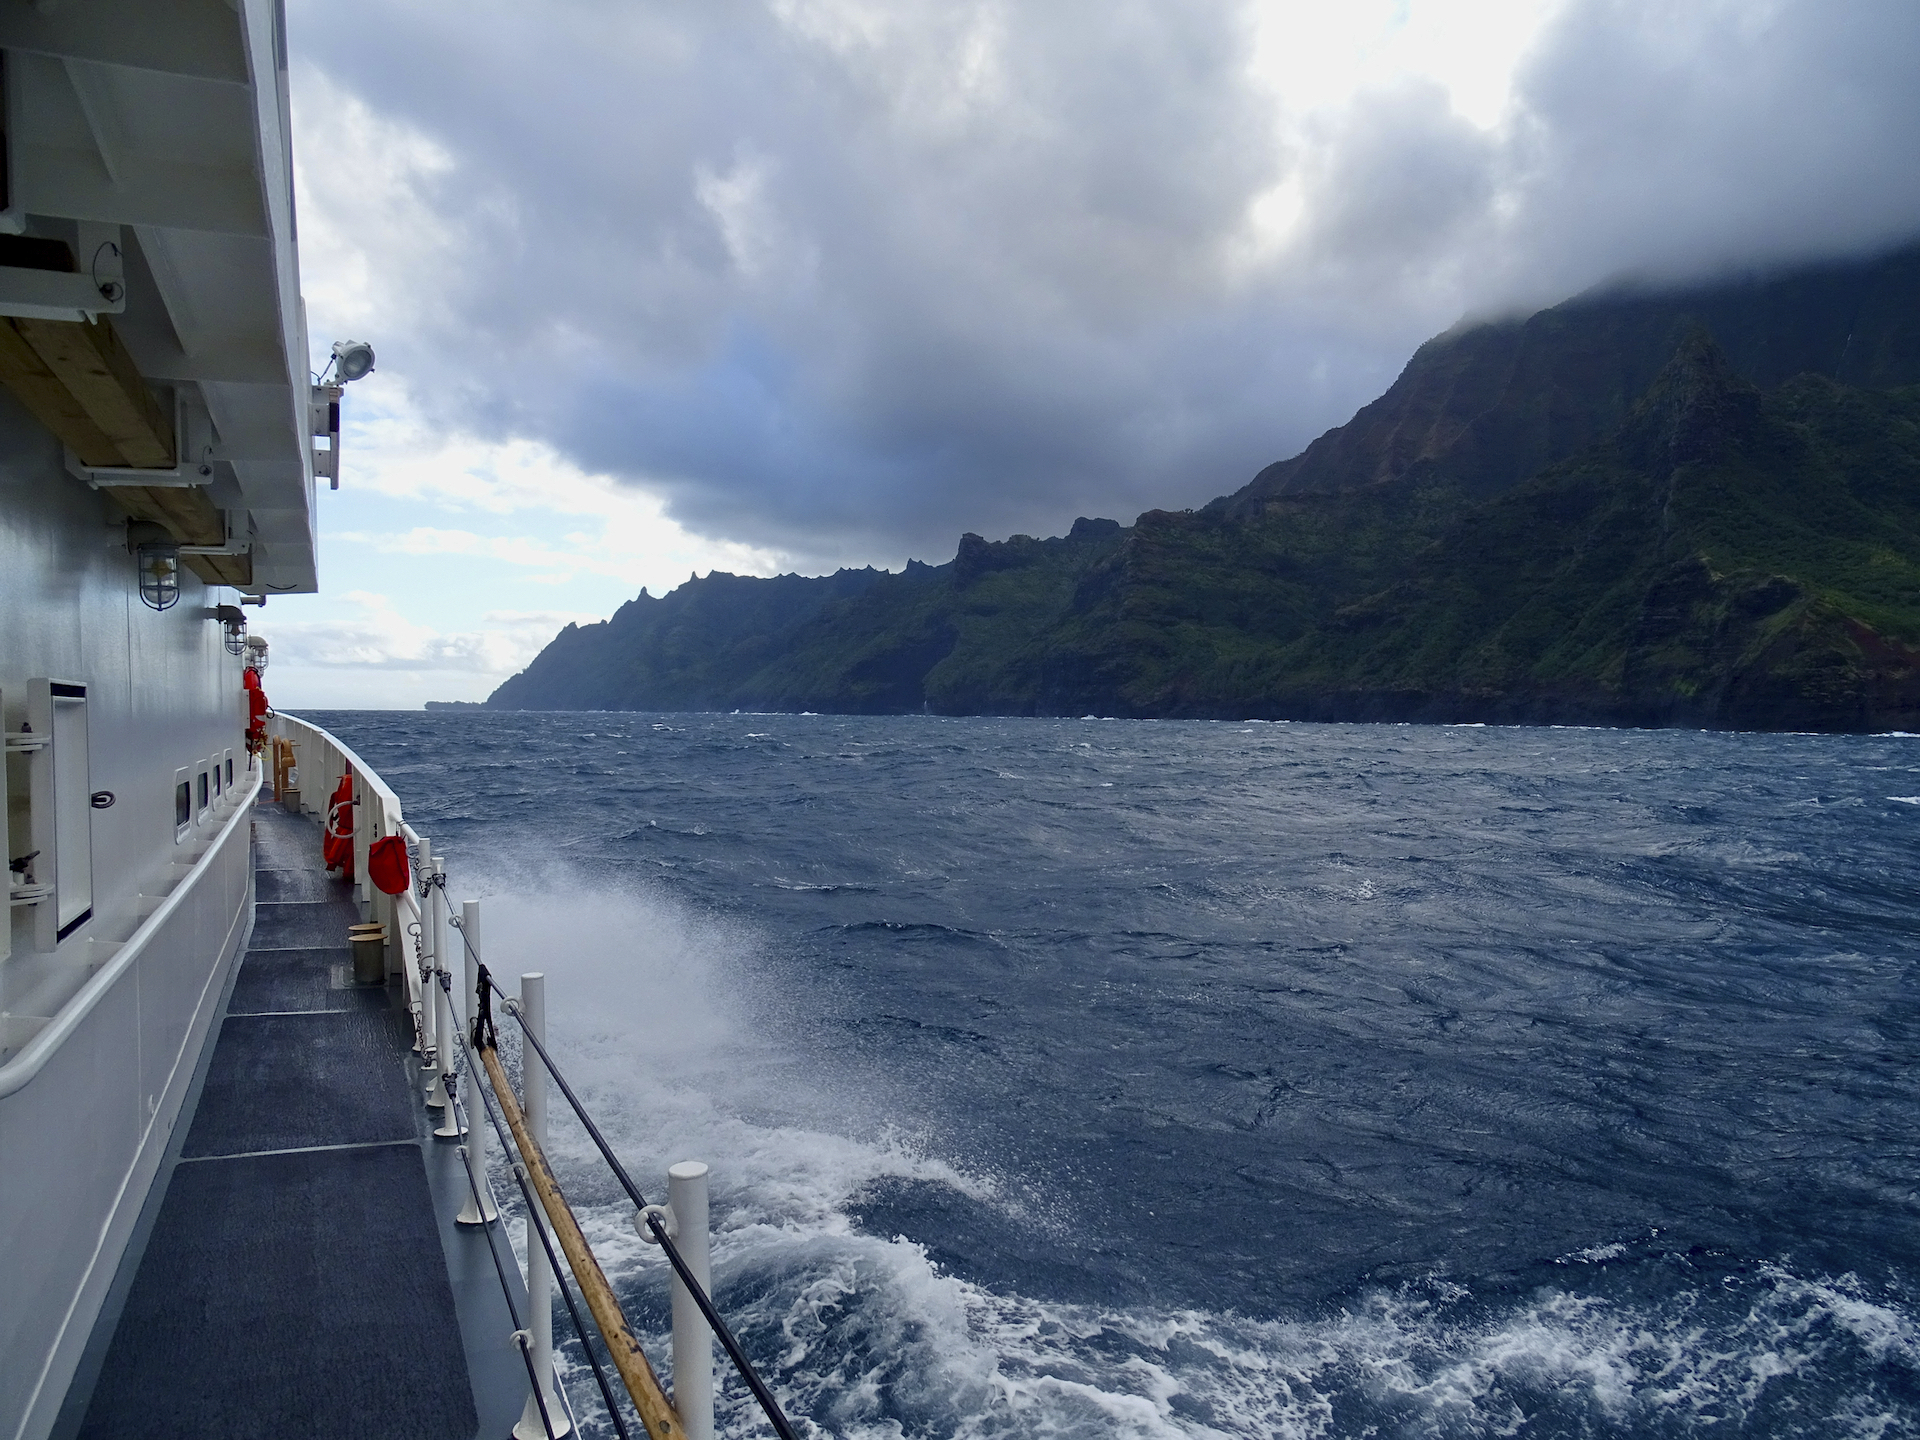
1697	509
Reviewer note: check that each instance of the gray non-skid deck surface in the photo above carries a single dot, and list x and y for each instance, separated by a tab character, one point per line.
296	1082
294	1282
281	1295
274	982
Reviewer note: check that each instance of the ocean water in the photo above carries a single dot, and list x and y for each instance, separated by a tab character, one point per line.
1103	1078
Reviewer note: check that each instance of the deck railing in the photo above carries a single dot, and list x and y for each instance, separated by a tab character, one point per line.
457	1042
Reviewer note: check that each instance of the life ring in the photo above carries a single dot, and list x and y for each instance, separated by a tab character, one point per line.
336	844
332	811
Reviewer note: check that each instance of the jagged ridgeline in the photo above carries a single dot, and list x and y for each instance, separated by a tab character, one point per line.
1694	508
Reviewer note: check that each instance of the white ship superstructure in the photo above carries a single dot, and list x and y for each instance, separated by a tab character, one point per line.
244	1099
154	390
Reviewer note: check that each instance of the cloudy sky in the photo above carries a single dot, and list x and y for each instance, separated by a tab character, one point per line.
666	286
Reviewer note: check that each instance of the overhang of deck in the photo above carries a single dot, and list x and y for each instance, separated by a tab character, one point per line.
161	128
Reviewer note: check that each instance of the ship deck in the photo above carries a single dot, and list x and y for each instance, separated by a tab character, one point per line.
296	1270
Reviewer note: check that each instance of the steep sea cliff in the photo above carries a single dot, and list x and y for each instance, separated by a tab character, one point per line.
1698	508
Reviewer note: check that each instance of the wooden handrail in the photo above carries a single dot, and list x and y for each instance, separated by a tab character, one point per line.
656	1411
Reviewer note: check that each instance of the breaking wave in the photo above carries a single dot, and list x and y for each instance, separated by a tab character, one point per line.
866	1334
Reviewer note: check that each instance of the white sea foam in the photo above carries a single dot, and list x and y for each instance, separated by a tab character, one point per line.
880	1343
658	1015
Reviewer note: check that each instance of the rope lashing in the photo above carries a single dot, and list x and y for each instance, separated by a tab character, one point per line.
485	1037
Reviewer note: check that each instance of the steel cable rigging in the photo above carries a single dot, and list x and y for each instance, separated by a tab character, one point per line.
484	1036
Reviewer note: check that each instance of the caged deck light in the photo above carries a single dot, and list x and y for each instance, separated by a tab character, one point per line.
257	654
157	562
235	621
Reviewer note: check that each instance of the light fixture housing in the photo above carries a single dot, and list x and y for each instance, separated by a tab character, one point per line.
235	621
257	654
352	360
156	562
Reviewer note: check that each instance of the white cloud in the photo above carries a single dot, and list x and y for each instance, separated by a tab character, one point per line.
375	633
472	500
374	228
770	284
391	450
370	653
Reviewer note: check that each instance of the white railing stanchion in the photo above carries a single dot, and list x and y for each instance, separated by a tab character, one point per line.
422	987
470	1214
692	1338
365	804
449	1127
390	913
533	1085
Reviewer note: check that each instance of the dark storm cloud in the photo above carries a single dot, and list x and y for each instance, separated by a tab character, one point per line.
1668	142
845	278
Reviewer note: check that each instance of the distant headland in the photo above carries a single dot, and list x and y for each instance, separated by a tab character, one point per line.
1695	507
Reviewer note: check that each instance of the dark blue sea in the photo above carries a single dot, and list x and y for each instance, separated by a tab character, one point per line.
1105	1078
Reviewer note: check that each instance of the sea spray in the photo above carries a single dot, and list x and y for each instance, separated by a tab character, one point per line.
871	1337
